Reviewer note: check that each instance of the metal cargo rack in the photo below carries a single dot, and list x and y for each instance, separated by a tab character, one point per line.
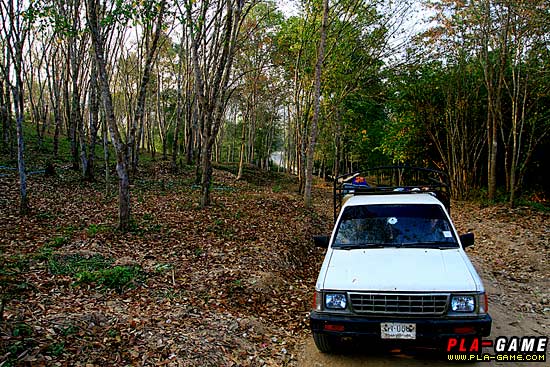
391	180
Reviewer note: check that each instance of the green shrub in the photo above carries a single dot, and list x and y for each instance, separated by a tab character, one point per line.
57	242
94	229
21	329
56	349
69	330
163	268
118	278
73	264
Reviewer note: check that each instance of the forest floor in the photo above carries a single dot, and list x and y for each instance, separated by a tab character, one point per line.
231	285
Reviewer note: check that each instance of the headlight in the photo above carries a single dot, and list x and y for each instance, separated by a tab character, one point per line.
335	301
463	304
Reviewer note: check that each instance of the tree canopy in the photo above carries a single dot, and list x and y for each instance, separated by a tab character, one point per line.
334	87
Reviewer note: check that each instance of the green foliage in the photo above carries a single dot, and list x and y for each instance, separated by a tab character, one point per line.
44	253
56	349
538	206
113	333
95	269
69	330
352	88
36	156
172	294
118	278
72	264
480	196
94	229
363	130
163	268
16	348
436	116
14	264
220	228
58	242
502	197
21	329
45	215
144	227
198	251
403	140
13	285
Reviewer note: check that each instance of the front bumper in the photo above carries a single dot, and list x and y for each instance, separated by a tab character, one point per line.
428	330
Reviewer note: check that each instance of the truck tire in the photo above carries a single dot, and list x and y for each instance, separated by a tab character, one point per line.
325	343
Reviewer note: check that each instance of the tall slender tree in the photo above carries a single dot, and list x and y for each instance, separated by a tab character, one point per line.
316	106
123	149
14	30
213	28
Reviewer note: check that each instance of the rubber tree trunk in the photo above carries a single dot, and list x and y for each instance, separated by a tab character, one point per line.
206	173
316	108
243	147
94	125
24	205
15	52
120	149
133	143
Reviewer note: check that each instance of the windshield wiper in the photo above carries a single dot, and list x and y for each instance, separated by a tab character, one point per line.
350	247
432	244
366	245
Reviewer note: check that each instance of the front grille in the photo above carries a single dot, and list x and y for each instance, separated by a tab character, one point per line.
393	303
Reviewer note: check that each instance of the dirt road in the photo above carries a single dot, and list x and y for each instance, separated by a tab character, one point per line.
511	255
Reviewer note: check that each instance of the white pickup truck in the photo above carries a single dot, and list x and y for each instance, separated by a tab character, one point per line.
395	269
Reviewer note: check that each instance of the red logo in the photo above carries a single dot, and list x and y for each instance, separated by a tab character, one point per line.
464	344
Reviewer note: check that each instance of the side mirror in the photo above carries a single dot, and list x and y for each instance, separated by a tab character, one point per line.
467	239
321	241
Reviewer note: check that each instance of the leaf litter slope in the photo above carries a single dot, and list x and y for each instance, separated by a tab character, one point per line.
226	286
230	285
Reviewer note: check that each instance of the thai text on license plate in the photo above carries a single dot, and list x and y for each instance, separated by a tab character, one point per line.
397	330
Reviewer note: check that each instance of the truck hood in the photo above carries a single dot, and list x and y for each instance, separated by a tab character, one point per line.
391	269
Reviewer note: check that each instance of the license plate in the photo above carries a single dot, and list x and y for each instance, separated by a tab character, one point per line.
397	330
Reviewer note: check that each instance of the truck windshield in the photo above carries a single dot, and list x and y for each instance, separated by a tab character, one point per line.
407	225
